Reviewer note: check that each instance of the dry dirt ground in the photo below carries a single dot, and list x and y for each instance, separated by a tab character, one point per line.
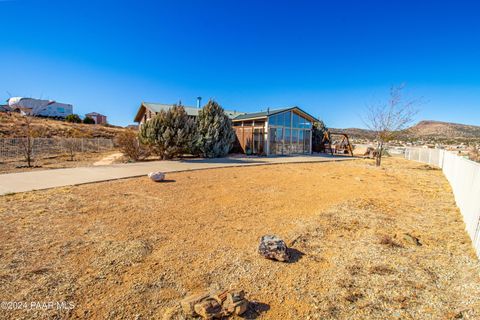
81	159
11	126
132	249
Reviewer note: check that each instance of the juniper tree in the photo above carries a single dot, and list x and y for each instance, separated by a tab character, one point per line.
215	135
318	134
169	133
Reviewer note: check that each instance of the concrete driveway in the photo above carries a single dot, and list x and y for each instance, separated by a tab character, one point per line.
46	179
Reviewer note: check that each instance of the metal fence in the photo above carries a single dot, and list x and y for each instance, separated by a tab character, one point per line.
464	178
13	148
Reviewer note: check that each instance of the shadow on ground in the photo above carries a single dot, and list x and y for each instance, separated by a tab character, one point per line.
295	255
255	310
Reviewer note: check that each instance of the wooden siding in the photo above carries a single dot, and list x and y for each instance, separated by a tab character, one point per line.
250	138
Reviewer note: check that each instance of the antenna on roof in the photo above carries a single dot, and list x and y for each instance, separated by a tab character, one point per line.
268	110
179	102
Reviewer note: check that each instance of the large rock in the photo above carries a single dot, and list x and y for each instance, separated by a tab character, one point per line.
272	247
188	304
216	305
209	309
157	176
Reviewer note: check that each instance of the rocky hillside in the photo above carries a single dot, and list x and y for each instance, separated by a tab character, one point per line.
445	130
11	126
428	131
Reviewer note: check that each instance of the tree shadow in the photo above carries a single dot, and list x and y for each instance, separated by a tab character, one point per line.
295	255
255	310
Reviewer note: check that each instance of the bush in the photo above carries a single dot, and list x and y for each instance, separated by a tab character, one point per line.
131	147
318	133
88	120
74	118
169	133
215	135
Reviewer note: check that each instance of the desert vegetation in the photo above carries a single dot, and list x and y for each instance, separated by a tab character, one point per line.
369	243
173	133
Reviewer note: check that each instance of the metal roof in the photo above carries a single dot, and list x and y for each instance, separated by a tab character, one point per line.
264	114
191	111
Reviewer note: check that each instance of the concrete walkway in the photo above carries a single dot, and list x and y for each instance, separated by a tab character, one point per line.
46	179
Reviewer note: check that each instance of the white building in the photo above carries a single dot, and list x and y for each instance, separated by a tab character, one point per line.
37	107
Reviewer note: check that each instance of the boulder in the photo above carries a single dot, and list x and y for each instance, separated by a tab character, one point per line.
209	308
272	247
217	305
236	302
188	304
157	176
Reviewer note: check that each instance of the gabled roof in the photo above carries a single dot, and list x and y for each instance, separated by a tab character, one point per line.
94	114
269	112
191	111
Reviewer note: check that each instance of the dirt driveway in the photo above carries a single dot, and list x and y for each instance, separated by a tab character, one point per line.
133	249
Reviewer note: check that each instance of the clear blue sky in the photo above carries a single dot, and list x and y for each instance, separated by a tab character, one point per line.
329	57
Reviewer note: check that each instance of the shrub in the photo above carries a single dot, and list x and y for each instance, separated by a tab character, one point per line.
74	118
169	133
215	135
318	133
131	147
88	120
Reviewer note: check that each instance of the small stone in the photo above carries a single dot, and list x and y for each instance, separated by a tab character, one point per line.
272	247
157	176
412	239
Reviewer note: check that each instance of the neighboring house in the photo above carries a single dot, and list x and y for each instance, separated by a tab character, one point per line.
274	132
38	107
97	117
148	110
4	108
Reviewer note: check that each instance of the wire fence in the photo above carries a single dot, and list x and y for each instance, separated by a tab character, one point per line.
464	178
12	149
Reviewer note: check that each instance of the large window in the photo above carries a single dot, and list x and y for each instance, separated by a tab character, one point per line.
289	133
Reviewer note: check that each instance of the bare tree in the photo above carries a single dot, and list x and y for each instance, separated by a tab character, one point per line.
28	137
388	119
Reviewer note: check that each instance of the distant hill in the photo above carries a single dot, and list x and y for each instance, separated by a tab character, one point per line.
437	129
427	130
11	126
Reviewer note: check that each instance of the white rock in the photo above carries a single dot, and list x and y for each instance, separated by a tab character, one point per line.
157	176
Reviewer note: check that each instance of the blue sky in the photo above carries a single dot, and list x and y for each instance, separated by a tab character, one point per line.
331	58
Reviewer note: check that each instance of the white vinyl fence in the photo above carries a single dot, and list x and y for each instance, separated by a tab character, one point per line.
464	178
12	149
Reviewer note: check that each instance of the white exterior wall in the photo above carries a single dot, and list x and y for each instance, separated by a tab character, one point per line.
464	178
44	108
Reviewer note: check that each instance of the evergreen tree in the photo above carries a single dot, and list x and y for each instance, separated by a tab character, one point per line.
318	133
88	120
169	133
74	118
215	135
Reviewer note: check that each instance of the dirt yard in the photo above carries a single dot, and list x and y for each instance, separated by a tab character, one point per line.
132	249
81	159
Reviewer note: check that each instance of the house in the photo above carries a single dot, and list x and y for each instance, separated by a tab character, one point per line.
38	107
148	110
4	108
274	132
97	117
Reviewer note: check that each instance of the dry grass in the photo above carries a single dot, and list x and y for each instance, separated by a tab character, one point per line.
81	159
133	248
11	126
